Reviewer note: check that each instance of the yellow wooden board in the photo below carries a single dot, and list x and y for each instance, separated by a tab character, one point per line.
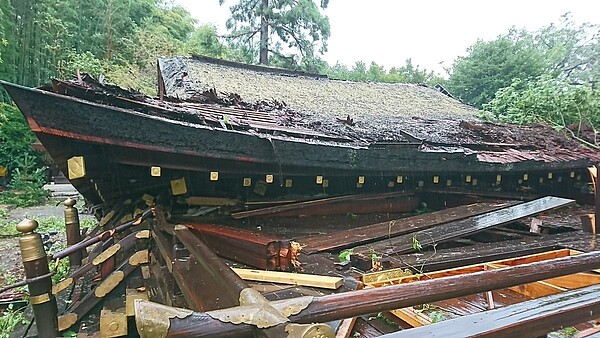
325	282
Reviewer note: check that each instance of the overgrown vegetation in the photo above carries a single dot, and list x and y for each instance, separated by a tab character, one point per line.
9	319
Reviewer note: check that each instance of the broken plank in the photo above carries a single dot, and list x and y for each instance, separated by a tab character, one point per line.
528	319
326	282
461	228
373	232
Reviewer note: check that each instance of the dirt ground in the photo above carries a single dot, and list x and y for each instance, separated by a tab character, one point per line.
11	267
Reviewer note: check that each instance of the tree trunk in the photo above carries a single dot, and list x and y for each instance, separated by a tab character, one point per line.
264	33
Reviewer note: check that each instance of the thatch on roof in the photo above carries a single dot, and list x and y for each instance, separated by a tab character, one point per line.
377	109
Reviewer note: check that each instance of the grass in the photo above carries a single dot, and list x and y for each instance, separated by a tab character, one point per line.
52	223
9	319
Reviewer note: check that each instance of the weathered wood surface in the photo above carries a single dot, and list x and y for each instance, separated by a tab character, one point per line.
210	283
373	232
456	229
484	252
355	303
299	206
263	251
528	319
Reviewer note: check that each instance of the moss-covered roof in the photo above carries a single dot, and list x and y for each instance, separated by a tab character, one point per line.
305	93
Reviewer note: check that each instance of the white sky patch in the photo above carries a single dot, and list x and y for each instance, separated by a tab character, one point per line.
430	32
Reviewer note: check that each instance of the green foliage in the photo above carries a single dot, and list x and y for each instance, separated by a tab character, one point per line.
550	101
436	316
376	73
492	65
9	319
62	270
416	244
270	27
345	255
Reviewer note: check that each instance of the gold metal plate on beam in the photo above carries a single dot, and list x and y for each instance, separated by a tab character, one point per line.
361	180
436	179
399	179
153	320
138	258
58	287
319	179
155	171
130	296
292	306
468	179
76	167
247	182
525	177
126	218
325	183
388	275
269	179
309	331
178	187
288	183
112	324
106	254
107	218
40	299
260	188
66	321
143	234
109	283
214	175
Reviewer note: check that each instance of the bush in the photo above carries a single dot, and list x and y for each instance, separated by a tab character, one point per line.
26	174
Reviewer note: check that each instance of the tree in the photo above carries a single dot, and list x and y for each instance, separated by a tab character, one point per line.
573	51
492	65
277	26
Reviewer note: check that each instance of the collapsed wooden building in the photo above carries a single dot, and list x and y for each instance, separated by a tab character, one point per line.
248	201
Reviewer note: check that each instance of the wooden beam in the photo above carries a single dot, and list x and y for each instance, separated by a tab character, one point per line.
355	303
373	232
303	279
448	231
533	318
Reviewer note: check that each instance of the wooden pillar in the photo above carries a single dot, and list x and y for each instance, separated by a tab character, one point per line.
73	230
35	263
597	196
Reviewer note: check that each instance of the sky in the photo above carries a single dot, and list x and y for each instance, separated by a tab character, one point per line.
433	33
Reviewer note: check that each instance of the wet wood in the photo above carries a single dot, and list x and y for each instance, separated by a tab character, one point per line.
461	228
533	318
485	252
355	303
373	232
256	249
210	283
298	207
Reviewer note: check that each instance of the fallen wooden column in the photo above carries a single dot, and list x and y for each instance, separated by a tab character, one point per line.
405	243
355	303
208	282
259	250
373	232
533	318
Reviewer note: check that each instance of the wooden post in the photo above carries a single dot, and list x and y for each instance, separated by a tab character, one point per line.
35	263
73	230
597	196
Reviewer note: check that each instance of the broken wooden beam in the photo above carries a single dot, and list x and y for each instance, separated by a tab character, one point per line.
262	251
355	303
534	318
373	232
444	232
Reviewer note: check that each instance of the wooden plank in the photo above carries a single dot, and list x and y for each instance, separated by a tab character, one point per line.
537	289
575	281
528	319
373	232
305	204
461	228
326	282
411	317
345	328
